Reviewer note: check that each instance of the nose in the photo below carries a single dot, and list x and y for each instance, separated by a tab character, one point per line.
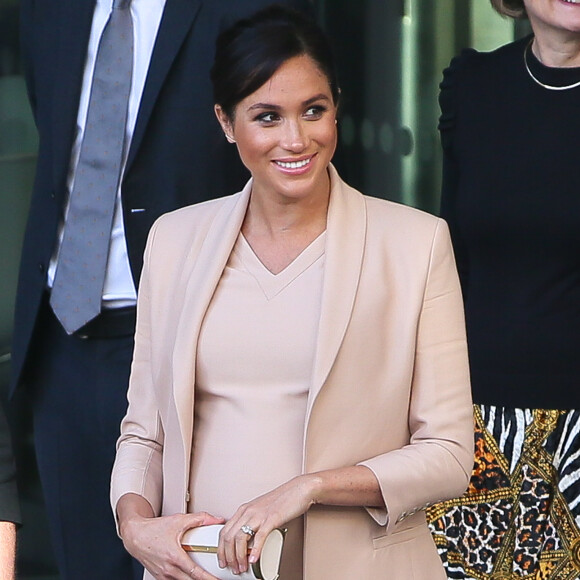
294	137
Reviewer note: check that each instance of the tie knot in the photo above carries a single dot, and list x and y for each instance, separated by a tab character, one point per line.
121	4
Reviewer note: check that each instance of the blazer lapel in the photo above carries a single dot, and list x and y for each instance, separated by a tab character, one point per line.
200	283
177	20
345	244
77	16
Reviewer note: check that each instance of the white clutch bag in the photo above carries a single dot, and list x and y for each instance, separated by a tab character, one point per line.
201	544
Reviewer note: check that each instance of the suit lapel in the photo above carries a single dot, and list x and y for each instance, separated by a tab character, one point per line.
345	244
200	283
177	20
77	16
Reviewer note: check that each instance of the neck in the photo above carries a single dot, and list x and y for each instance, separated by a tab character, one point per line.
561	51
274	219
276	215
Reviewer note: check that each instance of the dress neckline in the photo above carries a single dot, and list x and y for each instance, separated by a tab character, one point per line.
270	283
555	78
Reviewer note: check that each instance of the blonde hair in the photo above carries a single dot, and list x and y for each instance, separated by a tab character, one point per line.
511	8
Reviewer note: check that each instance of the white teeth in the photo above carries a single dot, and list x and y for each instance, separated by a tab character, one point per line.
293	164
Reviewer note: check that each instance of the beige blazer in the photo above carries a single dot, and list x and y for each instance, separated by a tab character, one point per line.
390	387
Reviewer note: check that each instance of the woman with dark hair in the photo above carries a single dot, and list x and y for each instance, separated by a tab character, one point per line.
511	194
300	356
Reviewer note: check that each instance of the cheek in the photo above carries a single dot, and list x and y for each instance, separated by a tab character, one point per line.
328	137
253	146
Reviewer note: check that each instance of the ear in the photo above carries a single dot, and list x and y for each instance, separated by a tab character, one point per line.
225	122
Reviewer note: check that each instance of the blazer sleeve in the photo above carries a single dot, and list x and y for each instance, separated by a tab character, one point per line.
138	463
437	462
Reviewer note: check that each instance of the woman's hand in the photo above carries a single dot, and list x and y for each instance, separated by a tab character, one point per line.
156	541
344	486
263	514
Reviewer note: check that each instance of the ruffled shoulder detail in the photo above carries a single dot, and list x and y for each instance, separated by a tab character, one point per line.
448	94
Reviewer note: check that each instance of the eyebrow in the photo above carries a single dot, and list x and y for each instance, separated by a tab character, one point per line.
319	97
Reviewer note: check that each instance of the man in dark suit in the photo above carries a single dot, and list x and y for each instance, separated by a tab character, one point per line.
174	155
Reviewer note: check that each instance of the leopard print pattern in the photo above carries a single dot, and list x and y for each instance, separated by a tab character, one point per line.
534	531
514	522
472	535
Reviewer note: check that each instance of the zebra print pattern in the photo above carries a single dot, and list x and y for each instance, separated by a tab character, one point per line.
563	445
507	427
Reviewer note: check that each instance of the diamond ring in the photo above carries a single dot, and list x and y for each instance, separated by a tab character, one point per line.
247	530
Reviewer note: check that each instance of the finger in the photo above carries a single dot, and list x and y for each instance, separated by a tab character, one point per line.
202	519
226	548
221	551
199	573
229	554
190	569
241	552
258	543
187	568
178	572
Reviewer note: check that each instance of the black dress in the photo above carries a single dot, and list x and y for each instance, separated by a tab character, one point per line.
511	196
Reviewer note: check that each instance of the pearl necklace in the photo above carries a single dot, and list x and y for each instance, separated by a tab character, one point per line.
537	81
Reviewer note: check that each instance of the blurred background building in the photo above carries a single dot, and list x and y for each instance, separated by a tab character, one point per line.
391	54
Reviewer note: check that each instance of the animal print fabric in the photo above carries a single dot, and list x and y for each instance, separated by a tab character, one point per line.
520	516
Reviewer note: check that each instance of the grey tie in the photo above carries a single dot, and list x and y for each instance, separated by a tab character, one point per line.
82	261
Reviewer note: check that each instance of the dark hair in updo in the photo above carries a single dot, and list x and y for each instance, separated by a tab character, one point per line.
512	8
253	49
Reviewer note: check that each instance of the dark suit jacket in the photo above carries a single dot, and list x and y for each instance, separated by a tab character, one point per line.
178	155
9	507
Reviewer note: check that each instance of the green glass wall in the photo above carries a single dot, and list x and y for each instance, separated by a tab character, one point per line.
391	55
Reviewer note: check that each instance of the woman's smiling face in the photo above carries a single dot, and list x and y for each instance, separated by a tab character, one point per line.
286	131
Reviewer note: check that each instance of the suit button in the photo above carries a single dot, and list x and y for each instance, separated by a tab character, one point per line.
41	268
52	195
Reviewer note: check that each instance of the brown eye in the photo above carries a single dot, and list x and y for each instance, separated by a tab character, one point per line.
315	112
267	118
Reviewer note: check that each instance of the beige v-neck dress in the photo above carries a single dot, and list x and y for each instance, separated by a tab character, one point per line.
254	369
